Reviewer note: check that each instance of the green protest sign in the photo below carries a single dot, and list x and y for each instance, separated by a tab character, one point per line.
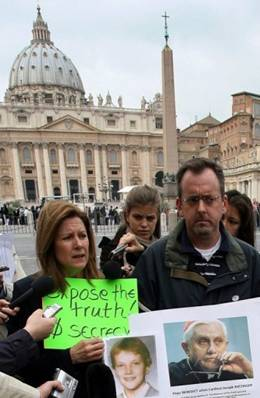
96	308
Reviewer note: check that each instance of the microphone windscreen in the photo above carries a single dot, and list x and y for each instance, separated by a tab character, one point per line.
112	270
43	285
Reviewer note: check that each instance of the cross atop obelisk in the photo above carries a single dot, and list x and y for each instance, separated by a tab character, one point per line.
165	16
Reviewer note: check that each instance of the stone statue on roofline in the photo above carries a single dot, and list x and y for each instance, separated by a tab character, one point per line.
108	99
143	103
100	100
120	101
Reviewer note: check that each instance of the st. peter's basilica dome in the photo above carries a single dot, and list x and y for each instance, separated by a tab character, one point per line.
41	70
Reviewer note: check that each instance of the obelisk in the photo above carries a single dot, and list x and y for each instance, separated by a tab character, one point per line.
170	148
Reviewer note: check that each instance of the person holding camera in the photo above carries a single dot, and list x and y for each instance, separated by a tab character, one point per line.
12	387
19	349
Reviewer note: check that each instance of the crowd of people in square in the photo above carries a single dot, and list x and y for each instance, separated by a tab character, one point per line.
208	258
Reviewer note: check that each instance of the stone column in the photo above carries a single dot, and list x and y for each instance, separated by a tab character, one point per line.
47	170
19	195
64	190
125	172
104	163
83	171
39	170
146	167
97	173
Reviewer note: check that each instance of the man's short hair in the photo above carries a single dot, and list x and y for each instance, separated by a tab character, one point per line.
197	166
189	332
131	344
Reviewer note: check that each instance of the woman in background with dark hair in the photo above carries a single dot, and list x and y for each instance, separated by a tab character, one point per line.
141	227
239	217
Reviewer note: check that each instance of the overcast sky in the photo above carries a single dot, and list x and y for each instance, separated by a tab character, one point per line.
116	45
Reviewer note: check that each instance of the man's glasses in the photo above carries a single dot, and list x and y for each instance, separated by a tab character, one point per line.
208	200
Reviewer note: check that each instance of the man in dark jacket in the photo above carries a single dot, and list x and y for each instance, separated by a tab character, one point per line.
205	344
199	262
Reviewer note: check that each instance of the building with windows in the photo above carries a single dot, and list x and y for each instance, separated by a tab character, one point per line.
55	140
238	142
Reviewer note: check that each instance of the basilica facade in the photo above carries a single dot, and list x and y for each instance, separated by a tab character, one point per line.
55	140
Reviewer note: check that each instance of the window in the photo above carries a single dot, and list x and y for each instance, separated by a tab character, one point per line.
158	123
56	191
111	122
53	156
114	172
48	98
73	187
49	119
27	156
28	171
86	120
159	158
30	190
22	119
72	99
132	124
2	155
90	172
54	171
112	156
71	156
89	157
134	157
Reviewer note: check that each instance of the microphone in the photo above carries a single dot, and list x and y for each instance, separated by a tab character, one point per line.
112	270
119	249
41	286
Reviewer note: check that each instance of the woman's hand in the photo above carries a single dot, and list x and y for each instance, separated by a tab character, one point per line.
132	243
5	311
87	351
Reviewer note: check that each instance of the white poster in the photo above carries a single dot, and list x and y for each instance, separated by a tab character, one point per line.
207	351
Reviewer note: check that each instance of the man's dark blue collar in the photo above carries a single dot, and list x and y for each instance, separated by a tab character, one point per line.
187	246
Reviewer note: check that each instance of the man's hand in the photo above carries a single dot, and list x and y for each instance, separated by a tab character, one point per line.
5	311
237	363
87	351
46	388
38	326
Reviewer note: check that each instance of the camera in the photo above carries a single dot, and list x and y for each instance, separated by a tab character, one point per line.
68	382
52	310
